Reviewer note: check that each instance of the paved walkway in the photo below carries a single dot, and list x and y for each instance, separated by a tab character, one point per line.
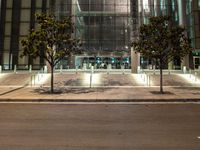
100	94
107	87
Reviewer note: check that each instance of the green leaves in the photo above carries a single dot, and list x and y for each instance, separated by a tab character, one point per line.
52	36
158	41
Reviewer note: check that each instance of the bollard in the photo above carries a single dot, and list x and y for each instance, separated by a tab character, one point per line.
190	72
92	69
109	68
84	66
31	80
61	69
30	68
138	70
0	69
108	71
195	76
76	69
149	81
91	72
15	68
184	70
144	76
169	72
38	76
123	71
34	79
199	69
154	69
45	69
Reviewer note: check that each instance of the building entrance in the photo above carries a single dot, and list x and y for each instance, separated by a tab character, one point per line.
102	62
196	62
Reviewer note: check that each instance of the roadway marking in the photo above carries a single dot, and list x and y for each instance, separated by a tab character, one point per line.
105	103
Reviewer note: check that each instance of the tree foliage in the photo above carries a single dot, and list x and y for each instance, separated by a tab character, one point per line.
53	36
158	40
52	40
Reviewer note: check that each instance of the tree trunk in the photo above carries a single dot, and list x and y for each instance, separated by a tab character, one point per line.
161	78
52	70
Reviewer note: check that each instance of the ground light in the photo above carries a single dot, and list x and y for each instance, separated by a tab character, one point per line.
39	79
2	75
142	79
91	79
190	78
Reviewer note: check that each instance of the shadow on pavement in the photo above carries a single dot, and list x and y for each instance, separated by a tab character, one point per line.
164	93
193	90
63	90
13	90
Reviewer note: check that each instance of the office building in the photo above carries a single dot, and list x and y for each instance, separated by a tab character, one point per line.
106	28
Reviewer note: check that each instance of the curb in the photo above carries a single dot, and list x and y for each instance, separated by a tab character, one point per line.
186	100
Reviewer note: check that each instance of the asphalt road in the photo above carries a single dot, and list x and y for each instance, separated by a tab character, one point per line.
99	127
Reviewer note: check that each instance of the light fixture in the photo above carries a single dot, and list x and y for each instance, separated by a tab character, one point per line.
190	78
40	79
95	79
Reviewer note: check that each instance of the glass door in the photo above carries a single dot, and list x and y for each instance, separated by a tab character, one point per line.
196	62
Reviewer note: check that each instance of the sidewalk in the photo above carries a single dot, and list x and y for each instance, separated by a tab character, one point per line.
100	94
106	87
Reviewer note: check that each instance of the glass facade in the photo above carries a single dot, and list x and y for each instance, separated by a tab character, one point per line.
106	28
103	26
199	4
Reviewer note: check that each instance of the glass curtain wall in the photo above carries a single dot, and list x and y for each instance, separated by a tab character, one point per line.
104	28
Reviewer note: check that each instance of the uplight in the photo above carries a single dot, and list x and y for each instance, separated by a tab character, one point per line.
142	79
94	79
40	79
190	78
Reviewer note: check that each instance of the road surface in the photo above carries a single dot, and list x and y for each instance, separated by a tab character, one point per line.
99	127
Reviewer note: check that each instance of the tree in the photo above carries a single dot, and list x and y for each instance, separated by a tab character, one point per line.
54	37
159	41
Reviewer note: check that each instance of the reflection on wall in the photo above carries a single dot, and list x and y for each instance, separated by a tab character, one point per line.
103	25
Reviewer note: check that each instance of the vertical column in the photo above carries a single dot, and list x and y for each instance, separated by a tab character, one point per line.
32	25
2	29
135	61
44	6
157	6
182	22
42	50
52	4
182	12
14	44
74	4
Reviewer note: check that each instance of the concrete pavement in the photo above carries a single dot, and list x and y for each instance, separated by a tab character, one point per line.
105	87
116	94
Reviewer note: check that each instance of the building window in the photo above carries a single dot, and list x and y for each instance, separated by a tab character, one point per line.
199	4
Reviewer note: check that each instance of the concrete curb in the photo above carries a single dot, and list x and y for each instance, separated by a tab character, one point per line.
193	100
